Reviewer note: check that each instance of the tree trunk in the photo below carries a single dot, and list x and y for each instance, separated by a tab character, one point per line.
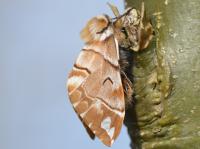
166	108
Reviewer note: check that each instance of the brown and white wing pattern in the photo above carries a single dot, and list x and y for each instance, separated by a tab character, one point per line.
95	87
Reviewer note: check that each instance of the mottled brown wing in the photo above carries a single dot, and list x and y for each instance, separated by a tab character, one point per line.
95	89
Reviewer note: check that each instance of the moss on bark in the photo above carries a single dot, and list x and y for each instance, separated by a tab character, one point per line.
166	108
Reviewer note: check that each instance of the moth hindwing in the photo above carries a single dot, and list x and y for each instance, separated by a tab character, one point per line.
95	83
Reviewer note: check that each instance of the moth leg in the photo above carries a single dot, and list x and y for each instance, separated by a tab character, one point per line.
146	36
128	89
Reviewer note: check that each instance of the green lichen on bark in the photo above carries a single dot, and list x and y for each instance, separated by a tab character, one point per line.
166	108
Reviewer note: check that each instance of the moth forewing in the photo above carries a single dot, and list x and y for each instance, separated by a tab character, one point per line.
94	84
96	29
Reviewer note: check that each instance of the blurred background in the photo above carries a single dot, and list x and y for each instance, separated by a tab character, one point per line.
39	42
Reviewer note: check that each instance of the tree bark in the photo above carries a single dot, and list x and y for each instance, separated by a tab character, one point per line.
166	108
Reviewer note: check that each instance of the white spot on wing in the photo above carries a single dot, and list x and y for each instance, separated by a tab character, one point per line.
75	81
106	34
98	104
112	142
76	104
105	124
82	115
111	132
90	125
119	113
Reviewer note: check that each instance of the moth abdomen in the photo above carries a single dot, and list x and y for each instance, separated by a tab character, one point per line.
126	63
126	60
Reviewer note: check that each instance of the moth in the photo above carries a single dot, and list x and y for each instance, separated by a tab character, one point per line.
98	84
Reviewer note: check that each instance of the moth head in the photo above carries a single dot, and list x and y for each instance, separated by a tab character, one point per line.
97	29
131	17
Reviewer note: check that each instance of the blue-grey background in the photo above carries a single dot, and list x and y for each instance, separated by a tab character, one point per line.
39	42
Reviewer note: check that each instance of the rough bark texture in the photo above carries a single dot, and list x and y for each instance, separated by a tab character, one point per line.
166	108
